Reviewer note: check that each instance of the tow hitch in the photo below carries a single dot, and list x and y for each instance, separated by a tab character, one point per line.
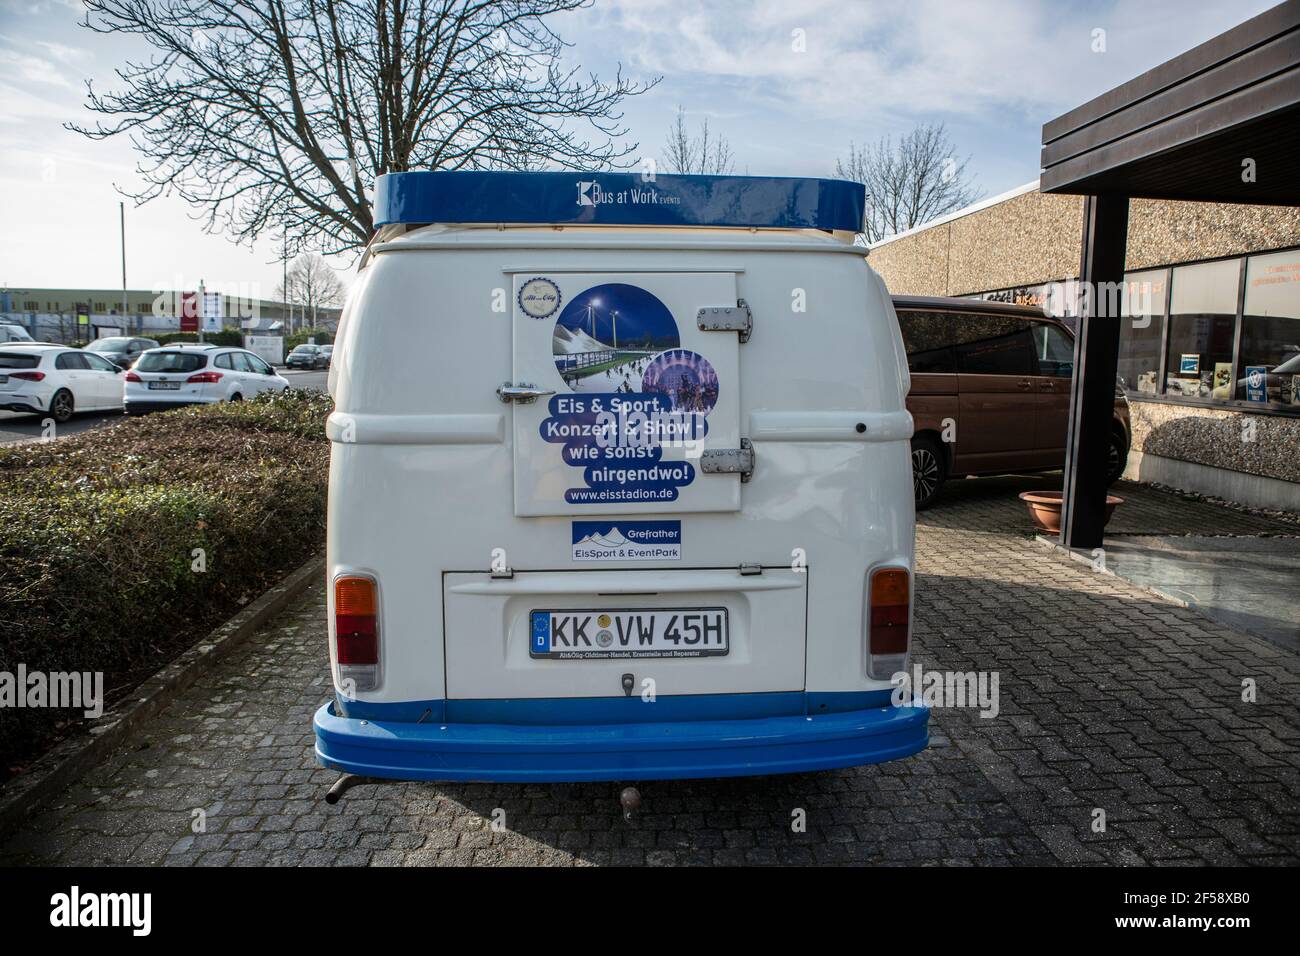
630	800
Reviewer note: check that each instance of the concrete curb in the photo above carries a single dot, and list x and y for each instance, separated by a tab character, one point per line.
55	771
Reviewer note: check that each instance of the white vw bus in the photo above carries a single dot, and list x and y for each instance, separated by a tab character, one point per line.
620	486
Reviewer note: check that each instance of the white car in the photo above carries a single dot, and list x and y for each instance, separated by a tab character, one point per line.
176	375
14	333
57	381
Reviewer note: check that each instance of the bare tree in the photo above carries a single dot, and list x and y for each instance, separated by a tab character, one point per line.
908	182
312	285
696	154
276	115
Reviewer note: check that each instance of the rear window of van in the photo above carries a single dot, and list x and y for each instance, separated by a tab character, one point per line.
171	362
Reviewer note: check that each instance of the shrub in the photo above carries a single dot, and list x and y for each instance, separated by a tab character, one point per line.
98	533
226	337
300	338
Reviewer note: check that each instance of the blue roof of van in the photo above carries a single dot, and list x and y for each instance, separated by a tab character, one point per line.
618	199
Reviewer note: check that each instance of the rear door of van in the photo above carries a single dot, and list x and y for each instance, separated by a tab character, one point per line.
932	400
998	399
640	431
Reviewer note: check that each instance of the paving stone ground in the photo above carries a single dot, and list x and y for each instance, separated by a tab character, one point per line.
1111	700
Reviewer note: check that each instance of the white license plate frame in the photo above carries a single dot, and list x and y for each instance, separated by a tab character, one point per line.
672	633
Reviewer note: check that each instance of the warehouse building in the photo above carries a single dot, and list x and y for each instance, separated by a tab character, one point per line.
79	315
1209	342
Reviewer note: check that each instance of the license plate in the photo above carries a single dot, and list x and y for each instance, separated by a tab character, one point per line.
165	385
612	634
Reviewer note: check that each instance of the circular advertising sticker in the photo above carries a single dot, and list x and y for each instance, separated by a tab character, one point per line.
684	377
539	298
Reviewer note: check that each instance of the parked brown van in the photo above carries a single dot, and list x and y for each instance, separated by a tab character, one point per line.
990	391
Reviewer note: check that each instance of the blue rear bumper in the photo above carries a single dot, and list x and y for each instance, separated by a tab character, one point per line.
404	750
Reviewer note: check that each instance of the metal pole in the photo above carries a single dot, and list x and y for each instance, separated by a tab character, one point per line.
1096	355
200	311
121	210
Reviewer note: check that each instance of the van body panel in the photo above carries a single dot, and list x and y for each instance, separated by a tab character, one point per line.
487	628
455	501
999	414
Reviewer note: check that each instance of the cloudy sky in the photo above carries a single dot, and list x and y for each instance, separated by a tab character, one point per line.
992	70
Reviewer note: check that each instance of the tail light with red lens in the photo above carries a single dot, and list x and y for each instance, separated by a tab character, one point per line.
132	377
201	378
28	376
889	607
356	631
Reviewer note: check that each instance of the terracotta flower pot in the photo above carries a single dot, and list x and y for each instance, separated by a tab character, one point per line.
1045	508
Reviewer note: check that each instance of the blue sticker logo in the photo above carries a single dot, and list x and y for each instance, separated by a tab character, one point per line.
627	541
1256	383
541	632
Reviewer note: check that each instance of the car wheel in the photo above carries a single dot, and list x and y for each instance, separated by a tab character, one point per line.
1116	458
236	397
61	406
929	470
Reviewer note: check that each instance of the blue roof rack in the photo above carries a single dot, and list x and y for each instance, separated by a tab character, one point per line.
618	199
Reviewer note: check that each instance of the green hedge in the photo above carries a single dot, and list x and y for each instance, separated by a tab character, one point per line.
300	338
98	531
226	337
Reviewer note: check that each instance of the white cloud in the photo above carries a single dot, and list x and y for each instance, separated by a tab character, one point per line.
883	57
28	68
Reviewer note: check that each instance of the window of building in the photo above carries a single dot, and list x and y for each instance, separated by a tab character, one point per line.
31	306
1269	370
1202	322
101	307
1140	331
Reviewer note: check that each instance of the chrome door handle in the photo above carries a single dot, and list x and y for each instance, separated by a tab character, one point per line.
523	393
1023	384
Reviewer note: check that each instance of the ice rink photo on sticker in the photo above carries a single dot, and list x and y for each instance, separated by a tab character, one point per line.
606	336
684	377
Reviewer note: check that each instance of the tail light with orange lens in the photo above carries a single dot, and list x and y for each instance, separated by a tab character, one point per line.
889	607
356	631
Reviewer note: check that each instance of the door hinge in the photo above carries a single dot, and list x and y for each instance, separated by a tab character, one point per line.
727	318
730	461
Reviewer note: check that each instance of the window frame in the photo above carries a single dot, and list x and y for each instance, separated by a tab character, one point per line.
1232	404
